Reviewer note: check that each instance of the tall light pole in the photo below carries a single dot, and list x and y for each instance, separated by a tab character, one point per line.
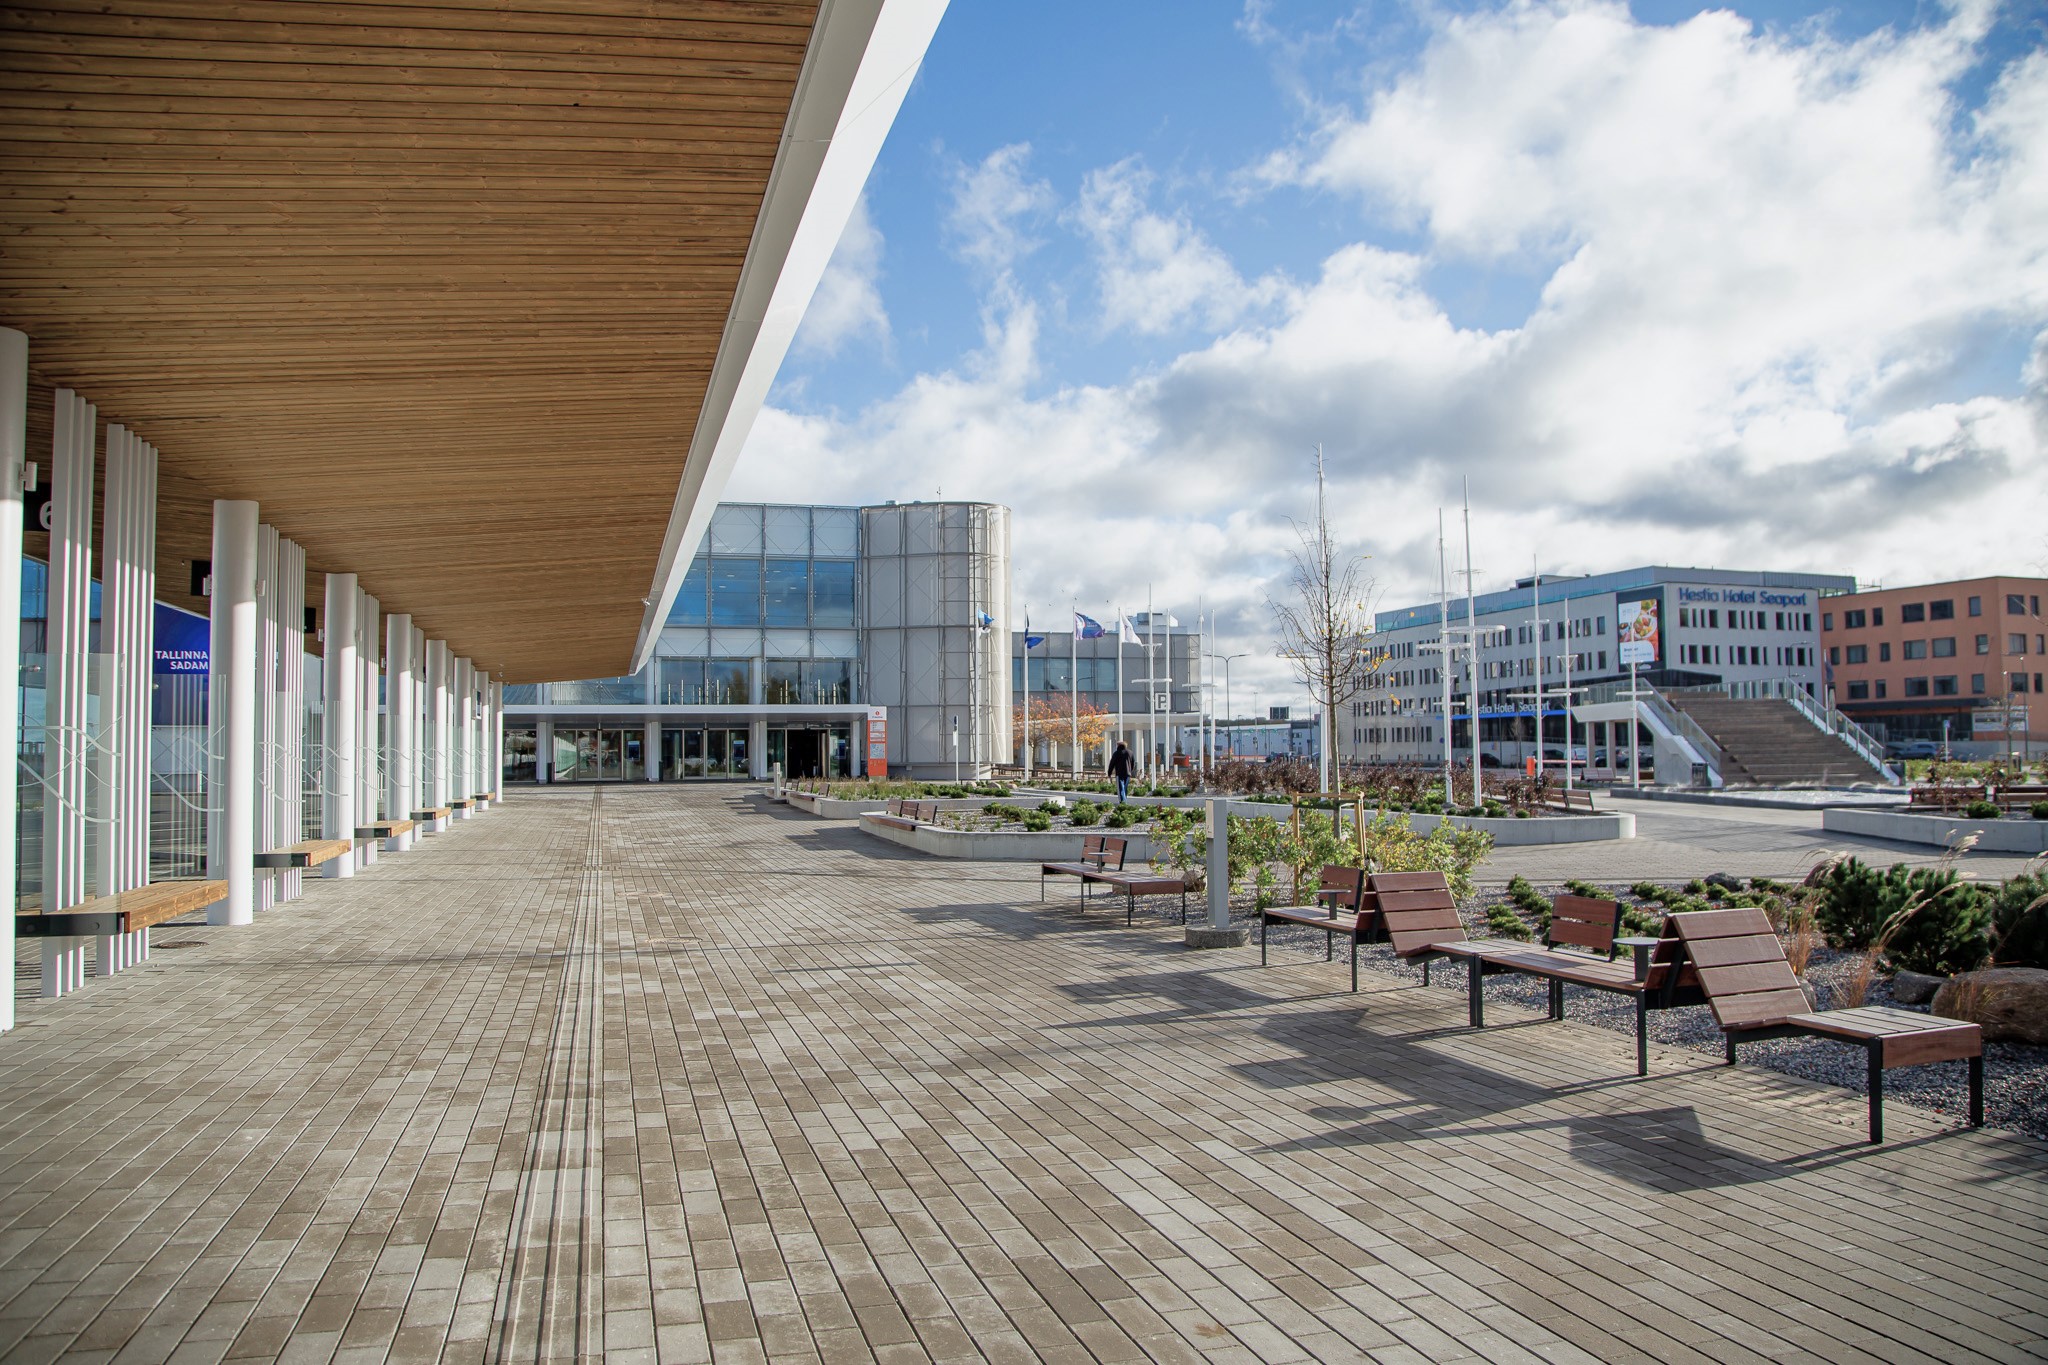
1228	714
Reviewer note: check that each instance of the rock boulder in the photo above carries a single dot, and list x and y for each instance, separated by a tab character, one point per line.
2011	1003
1916	988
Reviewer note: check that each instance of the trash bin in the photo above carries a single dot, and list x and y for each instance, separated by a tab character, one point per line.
1699	777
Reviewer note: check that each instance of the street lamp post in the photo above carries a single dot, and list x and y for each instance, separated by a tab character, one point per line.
1229	714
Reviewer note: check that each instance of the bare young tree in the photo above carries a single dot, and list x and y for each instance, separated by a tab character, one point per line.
1324	627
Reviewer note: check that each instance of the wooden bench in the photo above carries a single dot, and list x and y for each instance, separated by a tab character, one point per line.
1945	798
1578	949
310	853
901	814
1097	850
432	814
1755	995
384	829
1578	800
1136	884
2020	797
124	912
1344	907
1414	913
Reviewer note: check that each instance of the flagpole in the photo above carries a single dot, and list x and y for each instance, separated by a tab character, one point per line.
1027	696
1074	689
1166	759
1151	681
1122	619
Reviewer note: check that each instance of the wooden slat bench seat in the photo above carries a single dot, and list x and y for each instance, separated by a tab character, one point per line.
2018	797
1945	797
1344	908
460	803
383	829
1136	884
1412	912
309	853
1755	995
1100	853
1577	801
432	813
1577	950
125	912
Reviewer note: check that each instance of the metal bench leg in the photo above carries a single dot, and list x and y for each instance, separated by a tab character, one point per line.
1475	995
1875	1050
1977	1091
1557	999
1329	945
1263	922
1731	1050
1041	887
1354	964
1130	906
1183	902
1642	1035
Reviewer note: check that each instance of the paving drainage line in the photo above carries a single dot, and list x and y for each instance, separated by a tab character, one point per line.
546	1305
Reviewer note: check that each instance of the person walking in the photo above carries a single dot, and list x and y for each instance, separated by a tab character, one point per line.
1120	769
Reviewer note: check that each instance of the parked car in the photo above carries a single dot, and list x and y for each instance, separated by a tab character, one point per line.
1913	748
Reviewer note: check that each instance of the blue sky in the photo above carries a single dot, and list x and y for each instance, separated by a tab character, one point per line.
1763	287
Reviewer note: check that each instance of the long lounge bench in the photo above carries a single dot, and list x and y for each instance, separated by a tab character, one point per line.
1097	851
1412	912
309	853
1343	907
1578	949
384	829
1755	995
901	814
110	919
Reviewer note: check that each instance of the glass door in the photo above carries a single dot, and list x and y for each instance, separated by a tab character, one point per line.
693	753
611	753
562	768
636	762
736	753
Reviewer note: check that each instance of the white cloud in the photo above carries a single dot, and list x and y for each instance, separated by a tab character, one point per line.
995	206
1157	272
1772	269
848	304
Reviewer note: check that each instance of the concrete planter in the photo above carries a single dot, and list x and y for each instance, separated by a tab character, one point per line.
832	808
1939	831
1010	846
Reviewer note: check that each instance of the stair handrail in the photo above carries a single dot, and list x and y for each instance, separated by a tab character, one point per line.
1830	720
1658	704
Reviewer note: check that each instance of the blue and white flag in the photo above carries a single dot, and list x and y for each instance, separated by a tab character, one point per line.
1126	626
1033	641
982	621
1086	627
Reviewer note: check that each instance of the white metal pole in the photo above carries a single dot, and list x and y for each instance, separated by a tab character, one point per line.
233	668
13	467
369	748
1472	657
1567	627
339	669
437	711
66	752
1027	698
1536	646
1443	623
400	708
1074	693
1635	763
1151	682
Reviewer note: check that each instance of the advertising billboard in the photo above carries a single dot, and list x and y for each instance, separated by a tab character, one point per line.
1638	629
878	742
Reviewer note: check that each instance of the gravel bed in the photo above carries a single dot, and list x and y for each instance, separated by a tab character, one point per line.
2015	1075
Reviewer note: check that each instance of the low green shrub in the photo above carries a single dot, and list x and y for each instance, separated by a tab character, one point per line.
2039	810
1923	919
1037	821
1084	814
1647	891
2019	922
1983	810
1121	817
1847	913
1641	923
1505	923
1051	807
1005	812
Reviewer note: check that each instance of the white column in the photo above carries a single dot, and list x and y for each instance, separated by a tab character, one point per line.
437	710
270	833
67	682
339	668
128	591
232	717
290	701
422	729
543	749
498	739
400	704
650	750
458	734
369	753
757	749
13	458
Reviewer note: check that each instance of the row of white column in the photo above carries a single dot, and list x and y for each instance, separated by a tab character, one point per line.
430	738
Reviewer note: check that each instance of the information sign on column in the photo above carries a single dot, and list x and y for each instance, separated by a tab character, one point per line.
878	741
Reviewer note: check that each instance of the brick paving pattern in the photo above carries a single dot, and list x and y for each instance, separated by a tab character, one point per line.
674	1073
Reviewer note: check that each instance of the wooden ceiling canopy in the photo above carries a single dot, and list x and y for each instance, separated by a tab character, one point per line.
438	284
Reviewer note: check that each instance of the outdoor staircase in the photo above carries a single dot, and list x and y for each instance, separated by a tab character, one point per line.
1766	742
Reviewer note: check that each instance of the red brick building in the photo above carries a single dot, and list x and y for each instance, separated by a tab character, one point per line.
1971	653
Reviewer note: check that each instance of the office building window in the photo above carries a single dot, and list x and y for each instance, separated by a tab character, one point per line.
735	591
1916	687
1827	620
1945	687
1977	684
1983	644
726	682
1877	616
2015	604
1945	647
689	608
1858	654
2019	682
1944	610
831	593
1853	620
1884	651
786	589
1909	612
1859	691
1976	606
1879	694
2016	644
781	681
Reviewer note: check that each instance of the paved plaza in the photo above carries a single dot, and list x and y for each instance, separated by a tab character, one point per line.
675	1073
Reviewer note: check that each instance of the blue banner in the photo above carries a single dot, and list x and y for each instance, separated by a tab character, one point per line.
182	641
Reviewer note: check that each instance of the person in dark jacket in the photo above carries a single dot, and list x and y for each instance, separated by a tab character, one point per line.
1120	769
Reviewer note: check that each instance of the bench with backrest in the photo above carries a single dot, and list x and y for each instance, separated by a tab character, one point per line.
1755	995
306	853
1934	796
1418	916
1344	907
1100	853
2020	796
901	814
1576	801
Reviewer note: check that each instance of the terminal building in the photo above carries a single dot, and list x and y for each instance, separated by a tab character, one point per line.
820	641
1747	634
1959	663
1138	681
